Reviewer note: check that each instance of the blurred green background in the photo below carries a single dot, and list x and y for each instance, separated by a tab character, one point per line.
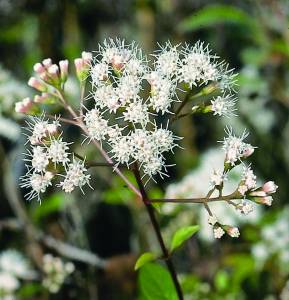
253	37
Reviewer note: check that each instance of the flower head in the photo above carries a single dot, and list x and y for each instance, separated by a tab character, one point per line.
224	105
198	65
37	183
76	176
234	146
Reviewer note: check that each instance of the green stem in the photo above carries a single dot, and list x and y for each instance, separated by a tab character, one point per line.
157	230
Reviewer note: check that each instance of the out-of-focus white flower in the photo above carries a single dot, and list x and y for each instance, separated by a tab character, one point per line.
13	262
285	292
56	271
8	283
274	241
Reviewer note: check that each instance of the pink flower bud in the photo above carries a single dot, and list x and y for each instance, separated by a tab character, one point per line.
259	193
87	57
23	106
39	68
79	64
47	62
38	99
264	200
44	77
81	69
36	84
249	150
53	71
63	64
270	187
232	231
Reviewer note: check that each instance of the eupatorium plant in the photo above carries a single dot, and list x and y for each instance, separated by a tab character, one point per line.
128	115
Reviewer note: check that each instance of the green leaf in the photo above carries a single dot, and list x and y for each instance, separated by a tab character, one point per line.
212	15
155	283
143	259
182	235
55	202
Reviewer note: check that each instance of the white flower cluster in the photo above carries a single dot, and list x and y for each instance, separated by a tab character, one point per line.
48	154
13	267
120	74
55	272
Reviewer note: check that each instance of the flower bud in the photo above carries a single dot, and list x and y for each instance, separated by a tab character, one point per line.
42	98
218	232
258	193
36	84
39	68
81	69
53	71
38	99
23	106
47	62
232	231
63	64
87	57
44	76
248	151
264	200
270	187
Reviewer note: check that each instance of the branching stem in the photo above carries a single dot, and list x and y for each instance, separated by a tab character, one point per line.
234	196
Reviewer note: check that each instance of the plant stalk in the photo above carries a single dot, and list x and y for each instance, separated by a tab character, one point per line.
157	230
